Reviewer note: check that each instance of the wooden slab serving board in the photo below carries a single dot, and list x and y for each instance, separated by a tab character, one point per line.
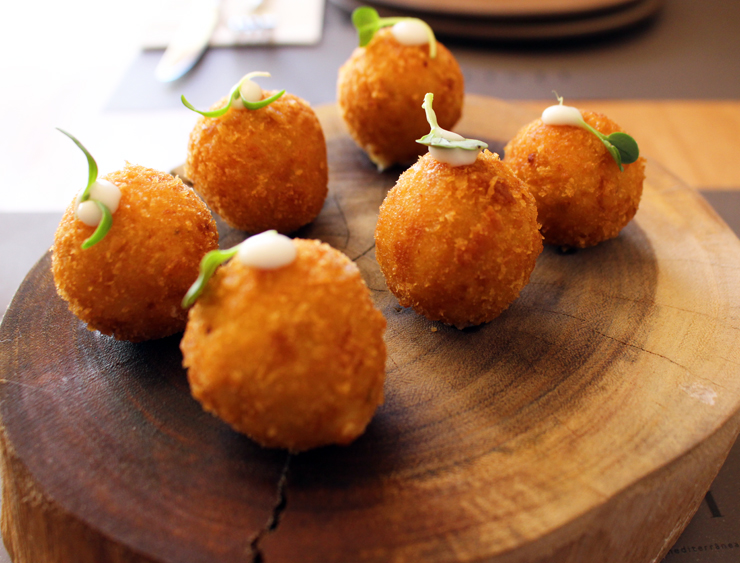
583	425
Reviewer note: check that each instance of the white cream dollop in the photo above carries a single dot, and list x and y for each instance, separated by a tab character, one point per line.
267	251
89	213
106	193
410	32
562	115
453	157
250	91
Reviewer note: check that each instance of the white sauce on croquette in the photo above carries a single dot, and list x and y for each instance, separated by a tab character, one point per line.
410	32
562	115
249	91
106	193
267	251
453	157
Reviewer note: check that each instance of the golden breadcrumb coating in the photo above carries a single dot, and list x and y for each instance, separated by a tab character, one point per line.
292	357
261	169
582	197
130	284
458	243
380	91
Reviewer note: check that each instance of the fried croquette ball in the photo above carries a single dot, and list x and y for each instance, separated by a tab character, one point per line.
379	89
458	243
130	284
292	357
261	169
582	196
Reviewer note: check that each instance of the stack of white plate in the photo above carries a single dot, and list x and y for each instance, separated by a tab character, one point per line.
518	20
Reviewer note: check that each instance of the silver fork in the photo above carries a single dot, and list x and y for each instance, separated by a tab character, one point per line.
248	21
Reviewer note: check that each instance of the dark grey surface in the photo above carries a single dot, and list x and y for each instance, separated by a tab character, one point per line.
24	239
690	50
713	535
727	204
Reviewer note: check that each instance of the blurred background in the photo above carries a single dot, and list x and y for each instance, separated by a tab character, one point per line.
79	65
665	70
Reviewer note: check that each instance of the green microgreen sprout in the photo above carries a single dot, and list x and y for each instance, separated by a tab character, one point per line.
208	265
237	92
621	146
441	138
106	222
107	217
257	258
367	22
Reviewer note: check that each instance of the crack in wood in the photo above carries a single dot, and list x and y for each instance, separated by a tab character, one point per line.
699	263
25	386
344	220
273	521
376	290
364	253
624	343
657	304
728	360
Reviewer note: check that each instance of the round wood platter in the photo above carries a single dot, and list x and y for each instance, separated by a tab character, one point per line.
584	424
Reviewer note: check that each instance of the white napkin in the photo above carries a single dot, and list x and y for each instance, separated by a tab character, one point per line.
275	22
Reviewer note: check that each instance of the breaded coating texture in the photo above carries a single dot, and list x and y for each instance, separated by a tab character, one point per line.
261	169
130	284
582	197
458	243
292	357
380	91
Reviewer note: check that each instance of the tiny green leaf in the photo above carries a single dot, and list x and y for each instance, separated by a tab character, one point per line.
432	140
626	145
621	146
429	111
367	22
614	152
262	103
216	112
103	227
107	217
208	266
365	16
436	138
233	95
92	166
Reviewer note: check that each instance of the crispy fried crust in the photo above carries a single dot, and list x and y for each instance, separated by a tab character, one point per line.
458	243
380	92
292	357
262	169
130	284
582	197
